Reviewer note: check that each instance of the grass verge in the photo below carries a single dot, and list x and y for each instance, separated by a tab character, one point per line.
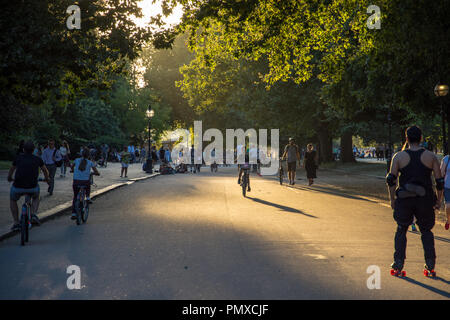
5	165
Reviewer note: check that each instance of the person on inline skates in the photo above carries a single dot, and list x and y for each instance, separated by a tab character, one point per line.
414	197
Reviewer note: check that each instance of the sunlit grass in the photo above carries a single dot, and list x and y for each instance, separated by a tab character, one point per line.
357	167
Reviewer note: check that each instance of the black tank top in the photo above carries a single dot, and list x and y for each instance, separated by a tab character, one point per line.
416	172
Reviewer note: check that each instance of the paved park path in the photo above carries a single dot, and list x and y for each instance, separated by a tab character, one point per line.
194	236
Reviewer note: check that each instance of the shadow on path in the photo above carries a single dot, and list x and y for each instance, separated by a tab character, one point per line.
328	190
279	206
435	237
433	289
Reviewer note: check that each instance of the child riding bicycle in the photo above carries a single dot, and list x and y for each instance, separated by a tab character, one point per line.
81	177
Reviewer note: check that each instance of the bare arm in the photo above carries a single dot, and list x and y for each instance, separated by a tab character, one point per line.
394	171
10	173
95	171
45	172
438	173
284	154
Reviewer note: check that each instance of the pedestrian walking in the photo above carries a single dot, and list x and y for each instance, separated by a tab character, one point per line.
51	157
291	151
161	154
132	154
444	172
193	165
167	155
136	154
65	151
310	163
105	151
143	154
414	196
154	154
125	157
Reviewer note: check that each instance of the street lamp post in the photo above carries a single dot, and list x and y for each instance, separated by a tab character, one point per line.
389	150
150	113
441	90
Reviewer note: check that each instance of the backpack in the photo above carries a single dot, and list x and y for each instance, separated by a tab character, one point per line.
58	163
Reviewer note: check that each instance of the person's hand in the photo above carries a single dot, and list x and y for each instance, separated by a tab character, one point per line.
10	179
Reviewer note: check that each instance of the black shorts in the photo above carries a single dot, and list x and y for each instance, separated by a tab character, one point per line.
292	166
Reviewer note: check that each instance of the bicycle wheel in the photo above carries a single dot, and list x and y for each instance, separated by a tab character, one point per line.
85	213
27	222
244	184
78	208
23	228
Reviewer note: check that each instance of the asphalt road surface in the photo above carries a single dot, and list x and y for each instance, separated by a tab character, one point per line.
194	236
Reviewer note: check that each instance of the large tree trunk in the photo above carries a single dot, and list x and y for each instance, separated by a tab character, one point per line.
347	147
325	144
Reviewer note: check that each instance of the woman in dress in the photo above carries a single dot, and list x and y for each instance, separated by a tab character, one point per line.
310	163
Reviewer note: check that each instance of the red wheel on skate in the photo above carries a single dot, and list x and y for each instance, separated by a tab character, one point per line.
425	273
447	226
392	272
433	273
403	273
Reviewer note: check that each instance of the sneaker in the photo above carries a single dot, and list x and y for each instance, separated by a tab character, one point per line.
73	216
15	227
35	220
248	190
447	225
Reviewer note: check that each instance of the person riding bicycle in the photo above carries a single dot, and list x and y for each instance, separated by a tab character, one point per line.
292	152
26	165
243	167
81	177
